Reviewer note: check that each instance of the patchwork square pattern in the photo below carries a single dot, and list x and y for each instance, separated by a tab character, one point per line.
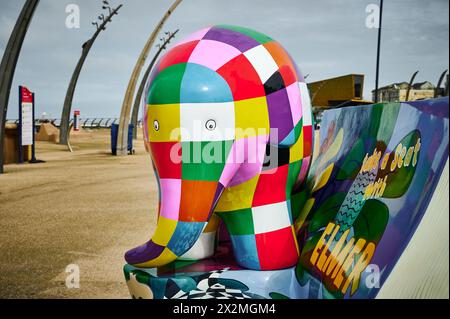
164	123
262	61
184	237
271	217
204	161
170	190
197	198
195	119
246	251
220	105
271	186
277	249
252	118
213	54
239	222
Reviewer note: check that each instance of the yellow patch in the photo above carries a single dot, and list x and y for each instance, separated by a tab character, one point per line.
323	178
296	152
252	118
167	256
164	231
213	224
168	123
237	197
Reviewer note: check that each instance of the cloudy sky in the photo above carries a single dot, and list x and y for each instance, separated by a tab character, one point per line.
327	38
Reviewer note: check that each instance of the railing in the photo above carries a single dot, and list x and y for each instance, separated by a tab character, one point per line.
91	123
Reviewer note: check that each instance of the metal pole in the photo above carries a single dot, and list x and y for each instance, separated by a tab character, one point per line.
33	147
64	129
19	127
8	65
137	99
122	138
378	52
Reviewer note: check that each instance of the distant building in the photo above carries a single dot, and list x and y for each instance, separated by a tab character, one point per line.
346	90
397	92
341	91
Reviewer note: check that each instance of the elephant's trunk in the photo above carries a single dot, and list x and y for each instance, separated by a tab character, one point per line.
185	209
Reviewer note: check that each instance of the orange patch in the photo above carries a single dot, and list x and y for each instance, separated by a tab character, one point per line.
196	200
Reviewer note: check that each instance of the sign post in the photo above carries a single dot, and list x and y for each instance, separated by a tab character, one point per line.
26	124
76	120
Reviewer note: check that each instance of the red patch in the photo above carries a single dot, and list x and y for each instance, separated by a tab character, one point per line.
288	75
307	141
284	62
179	54
167	166
271	187
197	198
277	249
242	78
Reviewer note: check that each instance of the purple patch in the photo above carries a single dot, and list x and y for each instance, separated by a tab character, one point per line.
238	40
280	113
219	192
144	253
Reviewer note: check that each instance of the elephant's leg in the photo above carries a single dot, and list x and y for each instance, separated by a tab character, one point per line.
205	245
258	216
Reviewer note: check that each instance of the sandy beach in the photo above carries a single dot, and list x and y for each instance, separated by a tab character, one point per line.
84	208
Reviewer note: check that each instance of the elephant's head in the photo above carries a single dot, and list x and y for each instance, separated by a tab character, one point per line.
215	103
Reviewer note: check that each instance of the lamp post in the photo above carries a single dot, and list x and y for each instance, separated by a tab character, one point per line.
137	99
378	52
122	139
64	128
9	62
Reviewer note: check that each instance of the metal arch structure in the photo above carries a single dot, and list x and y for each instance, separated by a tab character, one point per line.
65	117
411	82
122	139
9	62
137	99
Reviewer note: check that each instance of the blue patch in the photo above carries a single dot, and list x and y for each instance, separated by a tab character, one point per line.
185	236
203	85
289	140
244	247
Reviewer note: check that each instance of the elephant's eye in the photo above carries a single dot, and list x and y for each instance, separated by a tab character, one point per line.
211	125
156	125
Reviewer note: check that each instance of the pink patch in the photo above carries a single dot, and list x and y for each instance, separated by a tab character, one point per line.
170	198
194	36
244	161
295	101
213	54
304	170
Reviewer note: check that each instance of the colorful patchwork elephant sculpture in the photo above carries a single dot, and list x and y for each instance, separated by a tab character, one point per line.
228	124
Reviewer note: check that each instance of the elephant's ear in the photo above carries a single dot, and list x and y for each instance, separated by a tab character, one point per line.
290	115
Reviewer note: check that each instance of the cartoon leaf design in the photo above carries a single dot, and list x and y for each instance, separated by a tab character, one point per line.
278	296
372	221
326	212
399	178
353	161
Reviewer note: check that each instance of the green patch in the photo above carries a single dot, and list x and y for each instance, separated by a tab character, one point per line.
204	161
166	87
297	202
294	171
239	222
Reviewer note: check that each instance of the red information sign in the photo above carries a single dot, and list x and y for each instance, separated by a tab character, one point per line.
76	121
26	106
